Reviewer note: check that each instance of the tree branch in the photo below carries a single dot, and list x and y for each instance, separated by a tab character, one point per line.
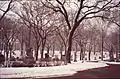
103	17
8	8
64	12
78	13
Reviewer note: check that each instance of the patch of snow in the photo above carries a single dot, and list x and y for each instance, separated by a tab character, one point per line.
113	63
45	72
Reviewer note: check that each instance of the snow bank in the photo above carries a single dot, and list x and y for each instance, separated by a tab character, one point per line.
45	72
117	63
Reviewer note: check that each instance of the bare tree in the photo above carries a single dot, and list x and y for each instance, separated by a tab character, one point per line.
8	29
93	33
103	25
22	35
115	15
84	10
114	41
38	19
80	37
61	39
110	43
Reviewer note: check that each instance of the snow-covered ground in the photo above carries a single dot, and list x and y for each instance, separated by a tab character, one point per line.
115	63
45	72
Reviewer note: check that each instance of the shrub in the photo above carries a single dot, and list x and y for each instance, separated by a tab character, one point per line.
29	61
18	64
2	58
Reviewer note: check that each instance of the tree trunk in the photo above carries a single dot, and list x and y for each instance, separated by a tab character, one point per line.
68	53
61	49
102	46
111	54
102	52
48	50
10	54
117	56
60	54
81	53
75	53
71	33
80	56
89	55
29	41
65	50
94	51
43	46
75	56
42	52
53	50
22	48
81	50
7	53
89	52
22	42
36	52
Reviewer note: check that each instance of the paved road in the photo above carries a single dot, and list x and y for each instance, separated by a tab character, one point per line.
104	72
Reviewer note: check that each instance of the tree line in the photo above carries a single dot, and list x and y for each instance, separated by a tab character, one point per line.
64	25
